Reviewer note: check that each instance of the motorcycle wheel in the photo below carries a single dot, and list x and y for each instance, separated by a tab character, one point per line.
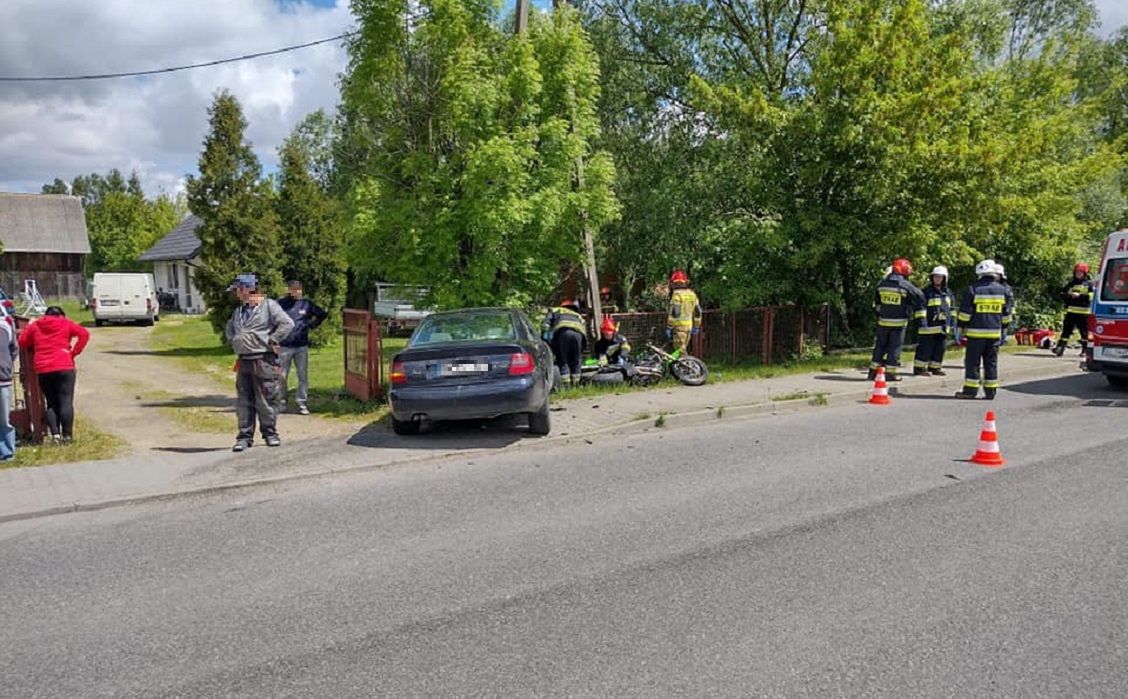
691	371
648	371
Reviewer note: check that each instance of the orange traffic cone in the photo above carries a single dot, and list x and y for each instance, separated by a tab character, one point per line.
988	453
880	389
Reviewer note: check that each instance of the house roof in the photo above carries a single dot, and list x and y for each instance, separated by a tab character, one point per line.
181	243
43	223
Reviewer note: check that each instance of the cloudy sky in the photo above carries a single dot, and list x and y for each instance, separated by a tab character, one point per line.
155	125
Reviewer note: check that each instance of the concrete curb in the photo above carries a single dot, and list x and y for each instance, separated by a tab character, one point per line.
671	420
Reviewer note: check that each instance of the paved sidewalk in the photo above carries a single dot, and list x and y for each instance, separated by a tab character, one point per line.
30	492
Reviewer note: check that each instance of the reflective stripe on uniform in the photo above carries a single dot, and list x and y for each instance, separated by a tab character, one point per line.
919	314
963	317
990	384
1077	310
968	383
935	302
892	322
931	330
919	364
983	334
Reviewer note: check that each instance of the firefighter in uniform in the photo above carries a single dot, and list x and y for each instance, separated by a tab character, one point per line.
684	317
1078	295
611	347
566	331
932	337
896	301
985	311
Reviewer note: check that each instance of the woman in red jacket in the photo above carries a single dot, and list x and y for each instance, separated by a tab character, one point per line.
52	340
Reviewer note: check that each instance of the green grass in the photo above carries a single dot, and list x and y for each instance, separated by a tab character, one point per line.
190	341
90	444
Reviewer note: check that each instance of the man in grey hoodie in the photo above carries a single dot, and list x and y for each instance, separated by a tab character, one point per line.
254	332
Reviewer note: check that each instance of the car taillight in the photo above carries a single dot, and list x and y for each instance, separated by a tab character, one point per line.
521	363
148	304
398	375
93	303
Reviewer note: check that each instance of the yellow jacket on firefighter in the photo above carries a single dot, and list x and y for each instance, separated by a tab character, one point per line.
685	310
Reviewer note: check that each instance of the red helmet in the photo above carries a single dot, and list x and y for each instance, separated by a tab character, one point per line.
608	327
569	303
679	277
1081	267
902	266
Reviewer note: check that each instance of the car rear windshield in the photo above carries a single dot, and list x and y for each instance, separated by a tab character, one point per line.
465	327
1115	284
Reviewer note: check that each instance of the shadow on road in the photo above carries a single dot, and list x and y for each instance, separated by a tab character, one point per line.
190	450
1080	385
176	352
224	403
470	434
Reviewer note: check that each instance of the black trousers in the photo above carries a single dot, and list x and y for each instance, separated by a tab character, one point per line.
1075	320
985	352
58	389
930	351
887	348
568	349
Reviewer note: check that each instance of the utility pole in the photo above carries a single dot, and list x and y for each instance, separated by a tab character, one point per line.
589	244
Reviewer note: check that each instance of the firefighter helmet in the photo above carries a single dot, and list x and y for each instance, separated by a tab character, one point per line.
939	271
1081	267
679	277
985	267
569	303
902	266
608	327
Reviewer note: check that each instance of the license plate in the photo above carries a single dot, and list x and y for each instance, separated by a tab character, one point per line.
107	302
464	368
1114	352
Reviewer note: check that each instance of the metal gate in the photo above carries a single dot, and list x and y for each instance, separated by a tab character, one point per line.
29	413
364	366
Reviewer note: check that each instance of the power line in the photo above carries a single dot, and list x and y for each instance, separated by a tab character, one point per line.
172	69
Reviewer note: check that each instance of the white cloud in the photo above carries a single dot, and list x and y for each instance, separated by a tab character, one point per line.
153	124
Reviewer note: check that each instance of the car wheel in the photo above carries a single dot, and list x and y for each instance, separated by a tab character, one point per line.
540	422
556	380
405	427
1117	381
99	323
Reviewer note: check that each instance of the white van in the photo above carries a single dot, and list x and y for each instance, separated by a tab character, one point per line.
124	297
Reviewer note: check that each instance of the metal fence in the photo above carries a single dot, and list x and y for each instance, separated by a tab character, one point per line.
767	334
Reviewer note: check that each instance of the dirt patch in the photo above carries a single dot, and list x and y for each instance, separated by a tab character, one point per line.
155	404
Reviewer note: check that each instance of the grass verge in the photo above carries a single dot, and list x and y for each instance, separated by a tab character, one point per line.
190	341
90	444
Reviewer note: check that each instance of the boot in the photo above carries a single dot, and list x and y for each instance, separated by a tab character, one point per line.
1084	347
1059	350
989	394
871	375
938	372
920	371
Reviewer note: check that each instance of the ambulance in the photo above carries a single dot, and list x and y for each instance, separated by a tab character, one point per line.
1108	323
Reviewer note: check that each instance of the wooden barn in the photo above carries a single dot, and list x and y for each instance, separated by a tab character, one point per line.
44	238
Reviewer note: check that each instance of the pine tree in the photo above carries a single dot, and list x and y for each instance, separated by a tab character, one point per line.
239	233
312	239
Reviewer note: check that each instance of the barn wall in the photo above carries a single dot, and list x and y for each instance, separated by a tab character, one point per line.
59	276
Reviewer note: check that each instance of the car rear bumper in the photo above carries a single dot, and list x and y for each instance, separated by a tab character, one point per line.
518	394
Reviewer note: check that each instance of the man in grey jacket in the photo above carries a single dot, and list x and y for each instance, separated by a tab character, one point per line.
8	352
254	332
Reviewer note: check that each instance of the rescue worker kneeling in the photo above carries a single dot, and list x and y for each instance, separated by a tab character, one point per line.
684	317
896	300
985	310
565	330
932	337
611	349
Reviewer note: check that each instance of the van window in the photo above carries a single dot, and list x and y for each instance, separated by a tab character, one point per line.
1114	287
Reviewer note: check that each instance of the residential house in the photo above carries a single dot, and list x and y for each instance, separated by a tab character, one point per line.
174	258
44	238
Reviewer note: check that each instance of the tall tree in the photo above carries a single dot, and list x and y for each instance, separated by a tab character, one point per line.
239	232
460	149
311	234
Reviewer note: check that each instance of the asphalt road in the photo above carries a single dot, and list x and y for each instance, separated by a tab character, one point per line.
841	551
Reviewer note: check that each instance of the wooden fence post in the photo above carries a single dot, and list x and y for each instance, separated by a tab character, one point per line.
768	324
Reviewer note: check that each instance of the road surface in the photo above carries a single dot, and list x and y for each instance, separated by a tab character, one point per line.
842	551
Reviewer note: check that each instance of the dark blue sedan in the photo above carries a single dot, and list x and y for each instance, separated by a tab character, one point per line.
472	364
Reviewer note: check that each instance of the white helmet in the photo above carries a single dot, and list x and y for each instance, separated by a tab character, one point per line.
939	271
1000	270
986	267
